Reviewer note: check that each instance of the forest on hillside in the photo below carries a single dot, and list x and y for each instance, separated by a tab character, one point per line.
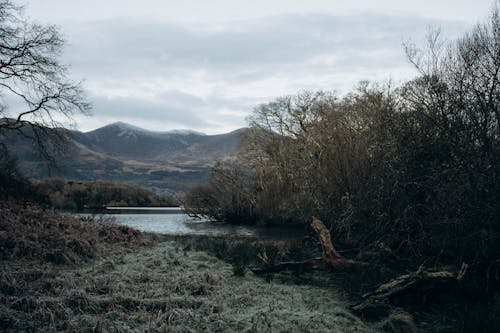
76	196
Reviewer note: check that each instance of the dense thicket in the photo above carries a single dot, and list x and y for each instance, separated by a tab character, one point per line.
409	175
79	195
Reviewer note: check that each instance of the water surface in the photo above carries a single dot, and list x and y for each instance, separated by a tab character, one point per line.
179	223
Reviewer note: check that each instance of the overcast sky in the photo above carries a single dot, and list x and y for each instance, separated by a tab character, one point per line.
204	65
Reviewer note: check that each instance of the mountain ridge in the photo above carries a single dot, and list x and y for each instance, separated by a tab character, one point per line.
169	161
127	126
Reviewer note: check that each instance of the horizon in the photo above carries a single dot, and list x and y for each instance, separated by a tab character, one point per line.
174	130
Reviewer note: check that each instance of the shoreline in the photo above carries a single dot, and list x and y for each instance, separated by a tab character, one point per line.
61	273
162	286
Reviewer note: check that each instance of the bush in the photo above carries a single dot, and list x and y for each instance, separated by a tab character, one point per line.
405	177
29	231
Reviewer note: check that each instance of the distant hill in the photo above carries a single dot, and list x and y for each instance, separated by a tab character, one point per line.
163	161
174	147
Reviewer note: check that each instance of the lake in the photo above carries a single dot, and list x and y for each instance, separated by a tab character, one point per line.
173	221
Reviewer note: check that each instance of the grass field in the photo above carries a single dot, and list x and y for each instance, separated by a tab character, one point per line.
162	288
62	274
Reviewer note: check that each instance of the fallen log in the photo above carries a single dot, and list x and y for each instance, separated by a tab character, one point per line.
330	254
330	257
406	289
329	251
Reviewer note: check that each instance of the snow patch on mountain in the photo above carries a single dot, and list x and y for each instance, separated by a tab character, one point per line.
128	130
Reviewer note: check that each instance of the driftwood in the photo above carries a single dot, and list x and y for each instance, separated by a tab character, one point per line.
388	298
330	257
330	254
407	289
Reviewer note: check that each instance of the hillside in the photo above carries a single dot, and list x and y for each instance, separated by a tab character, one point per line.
163	161
127	142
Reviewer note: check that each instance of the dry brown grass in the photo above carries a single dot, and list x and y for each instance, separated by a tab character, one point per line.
29	231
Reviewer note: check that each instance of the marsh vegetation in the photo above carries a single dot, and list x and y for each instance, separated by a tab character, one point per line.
83	276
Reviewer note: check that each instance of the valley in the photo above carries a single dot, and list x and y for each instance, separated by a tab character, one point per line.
165	162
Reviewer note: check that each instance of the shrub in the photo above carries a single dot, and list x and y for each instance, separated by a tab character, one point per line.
29	231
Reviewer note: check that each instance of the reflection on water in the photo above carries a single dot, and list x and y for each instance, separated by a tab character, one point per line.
182	224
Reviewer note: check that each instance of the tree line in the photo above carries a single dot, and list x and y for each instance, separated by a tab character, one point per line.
76	196
407	174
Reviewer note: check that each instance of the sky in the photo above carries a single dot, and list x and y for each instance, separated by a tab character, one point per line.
204	65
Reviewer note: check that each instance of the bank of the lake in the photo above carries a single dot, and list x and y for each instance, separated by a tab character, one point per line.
106	278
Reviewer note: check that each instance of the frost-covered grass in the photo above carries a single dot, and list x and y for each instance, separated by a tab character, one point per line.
162	287
59	273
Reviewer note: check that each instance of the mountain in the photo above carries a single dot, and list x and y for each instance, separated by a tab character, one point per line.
128	142
163	161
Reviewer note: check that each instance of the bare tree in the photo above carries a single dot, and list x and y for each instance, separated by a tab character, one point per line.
458	87
35	90
31	74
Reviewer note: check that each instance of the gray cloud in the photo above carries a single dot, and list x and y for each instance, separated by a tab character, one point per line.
149	46
207	76
171	110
